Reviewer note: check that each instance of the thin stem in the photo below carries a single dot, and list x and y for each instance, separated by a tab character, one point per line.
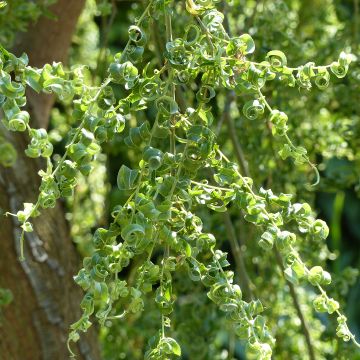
169	37
244	279
77	133
230	289
166	255
290	143
105	29
234	242
141	18
177	176
211	186
356	22
239	153
297	306
206	31
267	65
140	282
78	130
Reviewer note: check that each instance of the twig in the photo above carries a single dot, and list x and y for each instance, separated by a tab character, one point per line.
295	299
356	22
244	279
105	28
232	132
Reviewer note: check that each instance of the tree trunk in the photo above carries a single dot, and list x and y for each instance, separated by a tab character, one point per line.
46	299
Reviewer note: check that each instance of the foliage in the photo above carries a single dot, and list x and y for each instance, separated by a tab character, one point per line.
16	14
186	176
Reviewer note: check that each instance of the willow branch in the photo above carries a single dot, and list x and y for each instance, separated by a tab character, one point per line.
244	279
243	164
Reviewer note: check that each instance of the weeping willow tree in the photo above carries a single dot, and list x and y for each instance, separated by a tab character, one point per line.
187	143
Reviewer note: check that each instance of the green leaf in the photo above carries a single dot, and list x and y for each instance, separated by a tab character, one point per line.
267	240
322	78
167	105
277	59
285	151
32	78
339	70
126	179
171	346
243	44
291	275
253	109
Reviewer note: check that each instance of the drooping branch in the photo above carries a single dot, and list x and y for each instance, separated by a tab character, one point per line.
242	162
45	296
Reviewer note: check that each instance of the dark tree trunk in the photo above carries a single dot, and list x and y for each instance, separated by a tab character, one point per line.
46	299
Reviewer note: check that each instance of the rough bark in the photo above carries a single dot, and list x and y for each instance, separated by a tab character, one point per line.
46	300
47	41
